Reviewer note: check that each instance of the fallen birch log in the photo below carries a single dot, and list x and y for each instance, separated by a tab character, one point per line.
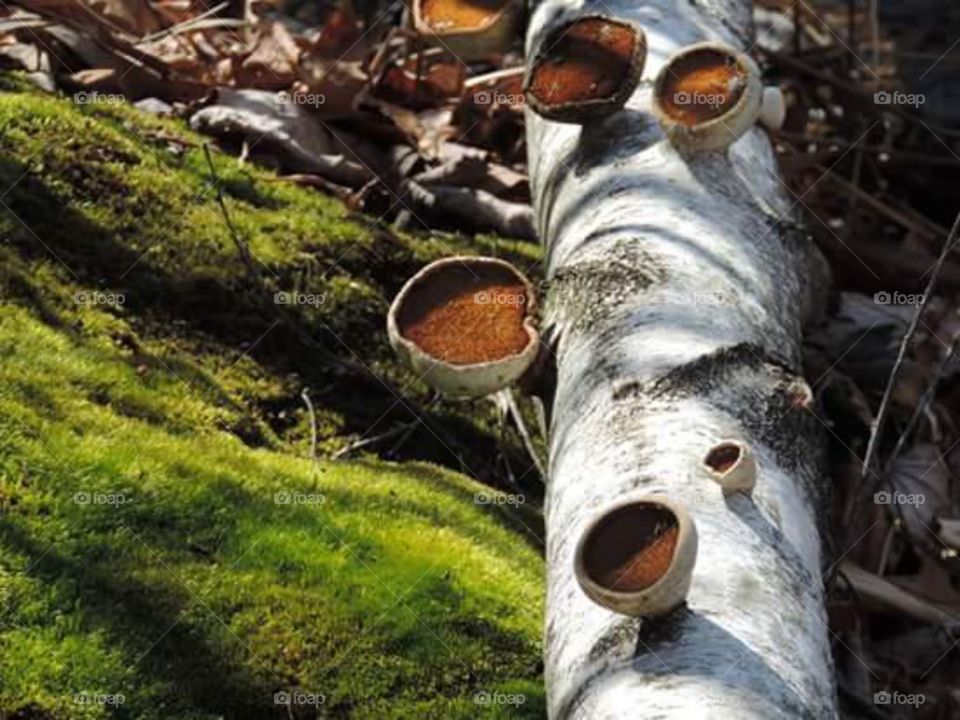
678	289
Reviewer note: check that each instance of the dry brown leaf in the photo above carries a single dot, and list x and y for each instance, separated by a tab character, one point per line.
174	12
341	36
933	583
920	481
134	16
135	84
336	89
286	132
949	531
273	60
863	338
889	594
479	174
490	113
440	79
178	53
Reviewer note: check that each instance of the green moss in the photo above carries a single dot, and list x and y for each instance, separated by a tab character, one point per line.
102	198
149	438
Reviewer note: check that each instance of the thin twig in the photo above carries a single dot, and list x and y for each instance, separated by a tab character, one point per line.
885	550
797	29
404	430
851	28
313	424
855	181
241	244
368	441
511	403
877	427
924	401
875	32
430	404
855	92
189	24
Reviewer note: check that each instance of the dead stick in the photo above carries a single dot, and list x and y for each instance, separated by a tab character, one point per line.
927	228
242	246
510	402
877	425
313	424
924	401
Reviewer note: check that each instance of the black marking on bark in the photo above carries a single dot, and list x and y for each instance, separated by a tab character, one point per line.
618	637
755	389
719	649
630	389
796	436
664	629
585	293
704	373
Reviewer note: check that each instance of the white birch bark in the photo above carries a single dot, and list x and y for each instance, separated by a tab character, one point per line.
675	306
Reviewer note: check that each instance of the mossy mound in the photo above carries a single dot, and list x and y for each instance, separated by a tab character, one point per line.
101	198
163	536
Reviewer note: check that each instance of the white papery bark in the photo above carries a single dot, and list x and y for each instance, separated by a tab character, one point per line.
676	304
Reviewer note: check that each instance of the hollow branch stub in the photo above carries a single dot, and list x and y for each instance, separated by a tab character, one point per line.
732	465
470	29
465	325
708	95
637	558
773	109
588	68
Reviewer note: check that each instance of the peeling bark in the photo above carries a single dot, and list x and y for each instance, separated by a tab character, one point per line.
677	298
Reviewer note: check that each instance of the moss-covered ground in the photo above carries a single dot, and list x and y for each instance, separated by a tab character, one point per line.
164	534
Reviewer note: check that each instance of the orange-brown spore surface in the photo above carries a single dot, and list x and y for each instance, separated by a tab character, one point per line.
445	15
633	548
588	62
702	86
466	315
